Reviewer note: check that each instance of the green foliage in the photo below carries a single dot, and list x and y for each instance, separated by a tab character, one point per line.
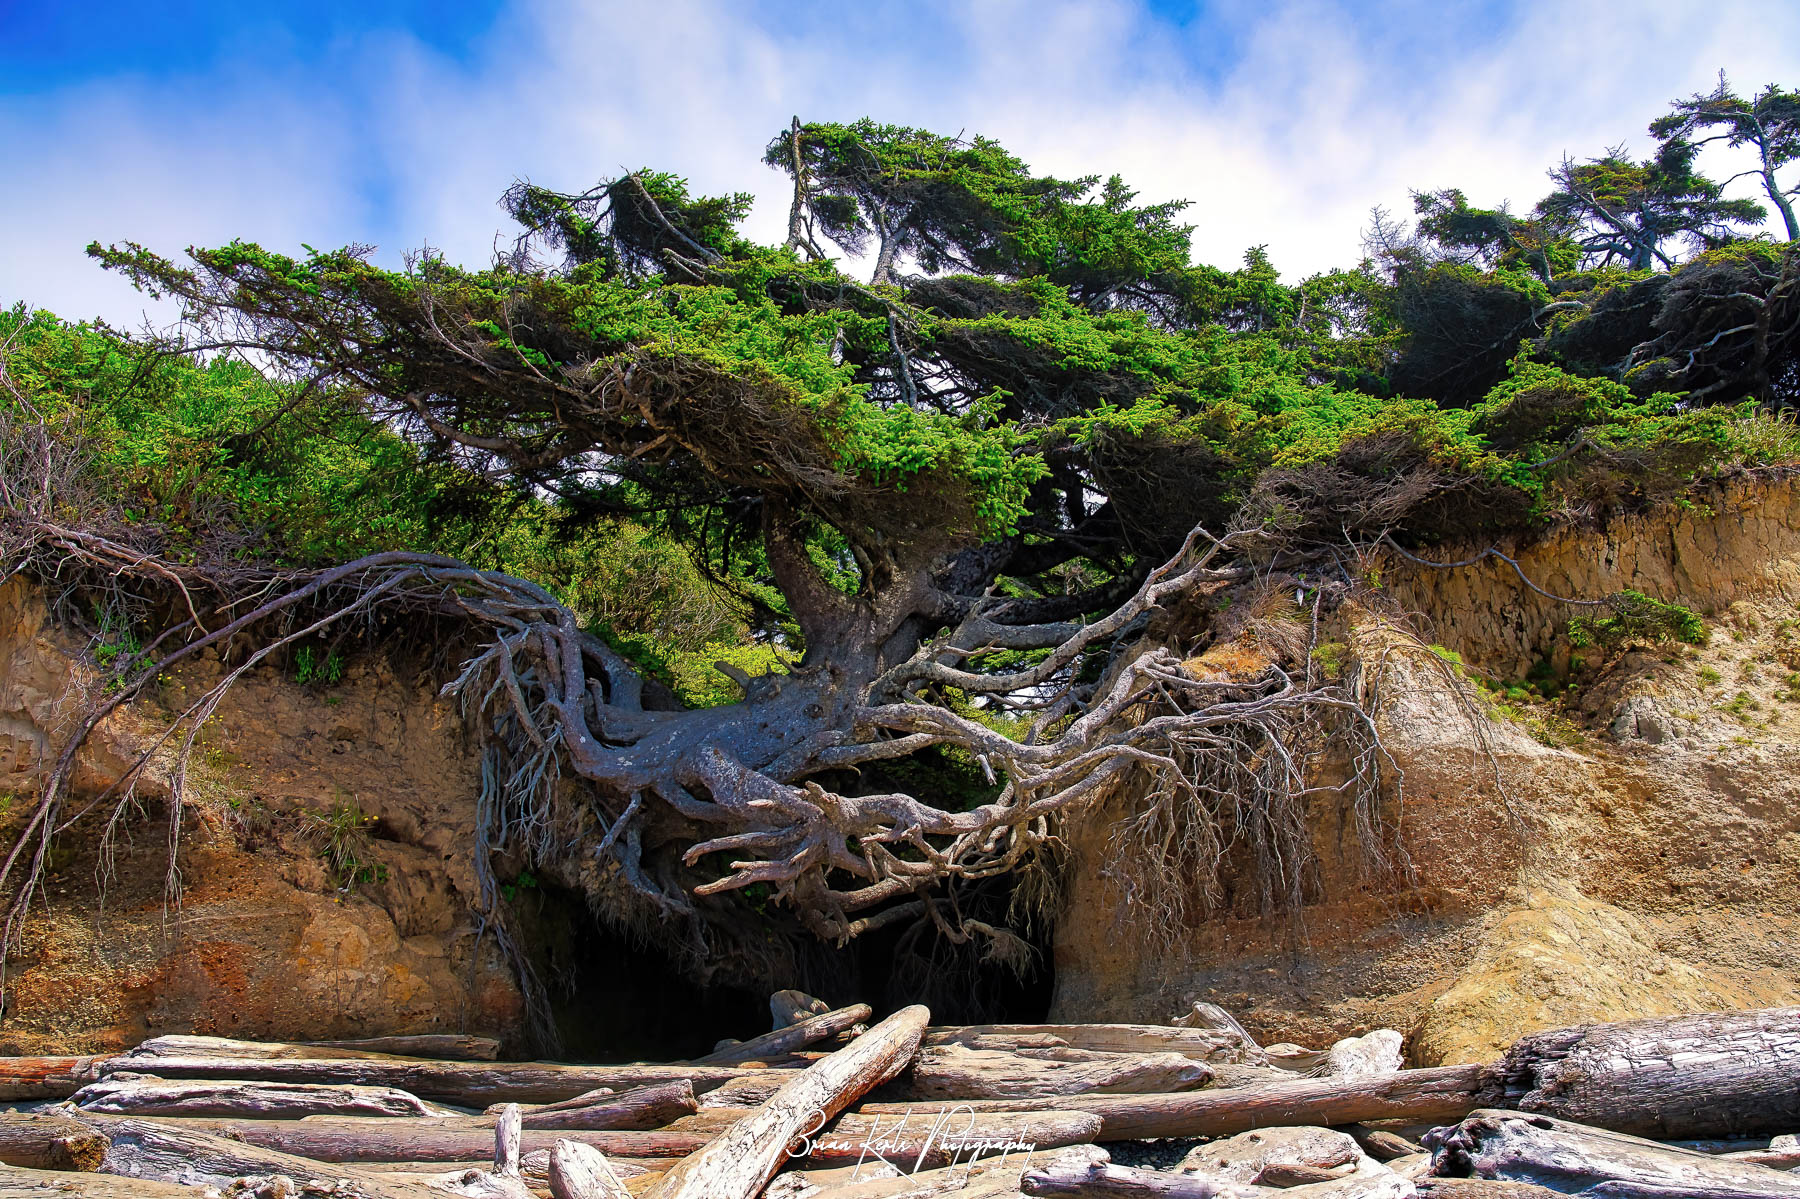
342	841
1635	616
311	667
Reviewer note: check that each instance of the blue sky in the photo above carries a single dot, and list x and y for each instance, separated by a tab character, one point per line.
398	122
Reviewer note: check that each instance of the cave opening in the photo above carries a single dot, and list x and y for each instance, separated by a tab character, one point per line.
620	998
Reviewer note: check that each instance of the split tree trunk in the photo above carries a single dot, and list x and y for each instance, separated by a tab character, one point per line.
580	1171
46	1077
1439	1094
1713	1075
1569	1157
165	1152
958	1072
656	1106
741	1161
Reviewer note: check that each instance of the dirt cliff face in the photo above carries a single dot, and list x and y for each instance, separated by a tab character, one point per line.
1635	853
269	938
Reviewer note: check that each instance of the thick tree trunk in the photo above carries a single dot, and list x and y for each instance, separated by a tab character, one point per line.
1568	1157
1713	1075
422	1140
1201	1044
147	1095
742	1160
47	1142
641	1108
809	1030
1124	1182
1440	1094
987	1178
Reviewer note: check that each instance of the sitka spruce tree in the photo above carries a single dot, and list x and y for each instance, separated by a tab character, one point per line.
982	497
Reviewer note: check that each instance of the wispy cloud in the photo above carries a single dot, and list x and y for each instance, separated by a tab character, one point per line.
1283	123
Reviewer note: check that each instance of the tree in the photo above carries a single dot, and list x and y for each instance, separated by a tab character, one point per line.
979	514
1628	212
1768	123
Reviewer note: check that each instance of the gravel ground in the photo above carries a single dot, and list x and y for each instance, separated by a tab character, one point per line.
1163	1154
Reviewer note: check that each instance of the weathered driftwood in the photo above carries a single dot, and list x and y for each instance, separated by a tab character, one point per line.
1376	1052
147	1095
1568	1157
655	1106
741	1160
470	1084
958	1072
503	1181
1201	1044
164	1151
20	1183
1379	1143
1269	1156
453	1046
748	1090
1778	1156
803	1184
46	1077
423	1140
1647	1190
986	1178
43	1141
580	1171
1482	1188
1436	1095
1718	1074
1123	1182
791	1007
807	1031
902	1137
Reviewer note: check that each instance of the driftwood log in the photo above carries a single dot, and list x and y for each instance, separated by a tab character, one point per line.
809	1030
49	1142
986	1178
1376	1052
740	1162
1124	1182
148	1095
578	1171
655	1106
19	1183
959	1072
1201	1044
470	1084
452	1046
1714	1075
1569	1157
163	1151
46	1077
1437	1095
356	1141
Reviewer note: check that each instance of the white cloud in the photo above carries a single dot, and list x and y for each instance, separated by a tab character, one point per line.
1319	112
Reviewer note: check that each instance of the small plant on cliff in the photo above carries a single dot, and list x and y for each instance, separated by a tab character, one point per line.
311	667
1635	616
342	838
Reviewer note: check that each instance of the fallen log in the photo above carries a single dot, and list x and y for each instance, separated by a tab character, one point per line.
656	1106
1124	1182
1201	1044
454	1046
1712	1075
20	1183
958	1072
1270	1156
469	1084
145	1094
357	1141
807	1031
43	1141
741	1160
986	1178
580	1171
46	1077
1481	1188
1436	1095
165	1152
1565	1156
